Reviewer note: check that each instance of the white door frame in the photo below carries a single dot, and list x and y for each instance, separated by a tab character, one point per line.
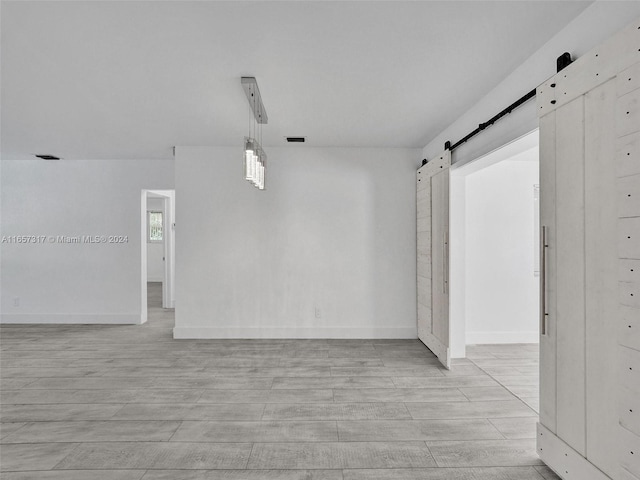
168	284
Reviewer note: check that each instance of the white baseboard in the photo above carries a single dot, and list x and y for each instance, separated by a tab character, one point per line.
483	338
293	332
70	318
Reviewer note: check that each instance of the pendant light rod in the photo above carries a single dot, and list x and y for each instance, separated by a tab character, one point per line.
250	86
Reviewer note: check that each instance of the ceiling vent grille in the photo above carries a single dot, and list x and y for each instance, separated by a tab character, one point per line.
296	139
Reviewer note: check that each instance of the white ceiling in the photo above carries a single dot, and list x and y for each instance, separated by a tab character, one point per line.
107	79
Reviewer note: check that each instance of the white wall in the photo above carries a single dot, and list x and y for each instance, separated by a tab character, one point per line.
335	231
155	250
596	23
501	289
75	283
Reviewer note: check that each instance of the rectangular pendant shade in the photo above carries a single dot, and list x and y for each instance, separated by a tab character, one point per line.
254	162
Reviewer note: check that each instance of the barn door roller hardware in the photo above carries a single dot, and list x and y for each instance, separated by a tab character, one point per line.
562	62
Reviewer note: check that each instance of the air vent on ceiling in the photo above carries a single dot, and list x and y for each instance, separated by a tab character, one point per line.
296	139
48	157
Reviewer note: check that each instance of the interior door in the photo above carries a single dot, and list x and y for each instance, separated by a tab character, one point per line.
589	182
433	256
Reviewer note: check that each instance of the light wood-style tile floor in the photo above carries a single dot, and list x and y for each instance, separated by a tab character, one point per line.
131	403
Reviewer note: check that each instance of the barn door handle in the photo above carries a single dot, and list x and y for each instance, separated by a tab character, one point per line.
445	261
543	280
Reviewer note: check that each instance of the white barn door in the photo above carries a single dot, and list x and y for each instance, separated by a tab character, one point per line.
590	214
433	256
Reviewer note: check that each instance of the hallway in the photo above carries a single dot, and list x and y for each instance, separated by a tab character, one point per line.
129	402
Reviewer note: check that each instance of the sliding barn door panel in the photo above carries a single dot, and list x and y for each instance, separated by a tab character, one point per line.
628	452
628	113
548	360
627	475
629	328
432	197
628	155
590	207
628	80
440	254
570	300
629	237
601	275
629	293
628	193
628	189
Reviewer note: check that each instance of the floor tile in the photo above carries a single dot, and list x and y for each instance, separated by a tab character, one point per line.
33	456
520	380
100	431
483	473
332	382
411	362
43	413
76	475
82	383
398	395
204	361
408	430
462	371
440	382
493	453
547	473
13	383
533	402
28	372
524	390
340	455
336	411
27	396
495	409
478	394
157	411
524	427
244	475
7	429
329	362
259	432
420	371
129	401
267	396
234	383
157	455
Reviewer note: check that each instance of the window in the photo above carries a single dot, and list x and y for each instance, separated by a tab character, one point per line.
154	226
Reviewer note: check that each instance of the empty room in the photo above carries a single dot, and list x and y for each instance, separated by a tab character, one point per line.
319	240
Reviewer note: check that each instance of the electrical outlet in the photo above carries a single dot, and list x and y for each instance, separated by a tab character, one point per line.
16	302
318	312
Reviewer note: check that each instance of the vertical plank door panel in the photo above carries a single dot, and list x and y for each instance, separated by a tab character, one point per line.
570	299
548	396
440	255
628	155
629	327
601	277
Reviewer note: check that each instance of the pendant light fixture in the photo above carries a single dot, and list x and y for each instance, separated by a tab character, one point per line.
255	159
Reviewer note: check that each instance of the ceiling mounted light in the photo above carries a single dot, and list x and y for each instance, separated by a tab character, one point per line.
255	159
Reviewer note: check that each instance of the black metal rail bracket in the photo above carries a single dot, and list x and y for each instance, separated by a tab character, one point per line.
562	62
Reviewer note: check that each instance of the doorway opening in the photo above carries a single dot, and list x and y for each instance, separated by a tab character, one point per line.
157	259
495	250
